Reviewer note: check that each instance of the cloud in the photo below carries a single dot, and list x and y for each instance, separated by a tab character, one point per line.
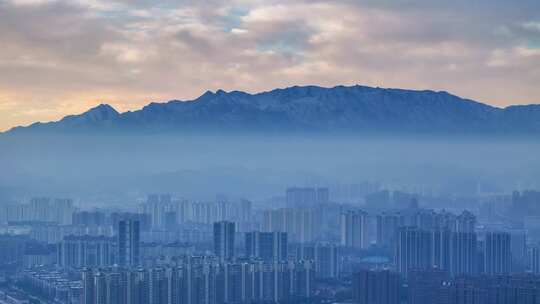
126	53
62	56
532	26
517	57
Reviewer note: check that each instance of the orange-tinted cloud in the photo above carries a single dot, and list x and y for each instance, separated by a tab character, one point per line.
61	57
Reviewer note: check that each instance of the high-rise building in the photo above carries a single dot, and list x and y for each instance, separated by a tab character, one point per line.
304	274
533	259
163	211
85	251
387	228
59	211
465	222
463	254
440	251
139	287
454	252
158	287
39	209
376	287
170	220
300	224
323	195
201	280
431	287
174	285
144	219
43	209
12	248
128	243
325	257
497	253
116	287
157	206
518	248
414	249
88	286
425	285
430	220
268	246
100	288
224	235
354	229
427	219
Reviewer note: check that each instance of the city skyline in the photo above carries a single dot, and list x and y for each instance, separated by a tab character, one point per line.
167	249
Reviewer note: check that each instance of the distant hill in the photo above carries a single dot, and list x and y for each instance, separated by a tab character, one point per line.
353	109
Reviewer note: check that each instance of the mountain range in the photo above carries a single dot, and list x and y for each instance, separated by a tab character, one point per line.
350	109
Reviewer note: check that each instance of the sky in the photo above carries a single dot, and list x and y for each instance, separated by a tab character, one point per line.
60	57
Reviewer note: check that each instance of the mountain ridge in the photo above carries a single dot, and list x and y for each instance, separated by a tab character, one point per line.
308	108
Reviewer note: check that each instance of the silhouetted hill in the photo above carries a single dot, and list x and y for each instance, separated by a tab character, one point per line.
354	109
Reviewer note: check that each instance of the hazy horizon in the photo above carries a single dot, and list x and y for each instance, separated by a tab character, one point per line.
257	167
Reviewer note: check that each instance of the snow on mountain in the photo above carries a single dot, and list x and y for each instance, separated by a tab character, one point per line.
310	108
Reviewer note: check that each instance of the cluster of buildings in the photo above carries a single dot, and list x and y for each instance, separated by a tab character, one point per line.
200	279
52	285
39	209
384	250
165	212
435	286
421	239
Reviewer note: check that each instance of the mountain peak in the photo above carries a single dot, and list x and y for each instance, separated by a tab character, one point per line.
96	115
312	109
103	109
100	113
206	94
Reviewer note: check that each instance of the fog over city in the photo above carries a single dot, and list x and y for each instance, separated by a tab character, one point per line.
260	166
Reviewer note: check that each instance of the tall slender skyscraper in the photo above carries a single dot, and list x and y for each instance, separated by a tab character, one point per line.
129	243
224	233
100	288
88	286
534	259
